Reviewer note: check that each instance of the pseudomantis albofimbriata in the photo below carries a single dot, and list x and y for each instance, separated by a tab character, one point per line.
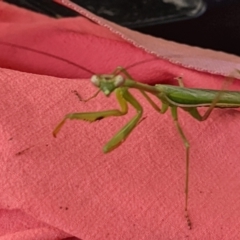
172	97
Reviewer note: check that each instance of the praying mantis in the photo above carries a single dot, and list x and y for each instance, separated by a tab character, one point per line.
173	97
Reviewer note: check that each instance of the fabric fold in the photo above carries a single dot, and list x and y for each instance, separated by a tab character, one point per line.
66	184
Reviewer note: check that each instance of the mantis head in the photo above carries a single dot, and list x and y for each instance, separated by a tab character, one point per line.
107	83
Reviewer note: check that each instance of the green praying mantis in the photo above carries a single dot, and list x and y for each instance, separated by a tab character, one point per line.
173	97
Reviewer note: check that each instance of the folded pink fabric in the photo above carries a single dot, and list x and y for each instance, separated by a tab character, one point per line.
57	188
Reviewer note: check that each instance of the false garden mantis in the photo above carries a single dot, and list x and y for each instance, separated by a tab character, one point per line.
172	97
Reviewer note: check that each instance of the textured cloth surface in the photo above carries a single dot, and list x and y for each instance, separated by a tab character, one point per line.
57	188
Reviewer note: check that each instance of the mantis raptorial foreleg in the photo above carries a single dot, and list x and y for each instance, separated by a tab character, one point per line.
119	70
86	100
120	136
123	96
93	116
180	81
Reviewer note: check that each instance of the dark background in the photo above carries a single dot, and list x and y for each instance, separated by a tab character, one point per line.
218	27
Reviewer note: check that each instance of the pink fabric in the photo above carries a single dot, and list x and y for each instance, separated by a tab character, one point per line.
57	188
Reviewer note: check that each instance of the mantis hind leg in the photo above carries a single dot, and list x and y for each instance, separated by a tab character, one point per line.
193	111
187	147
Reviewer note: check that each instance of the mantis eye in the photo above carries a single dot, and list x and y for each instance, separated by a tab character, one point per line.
95	80
118	81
